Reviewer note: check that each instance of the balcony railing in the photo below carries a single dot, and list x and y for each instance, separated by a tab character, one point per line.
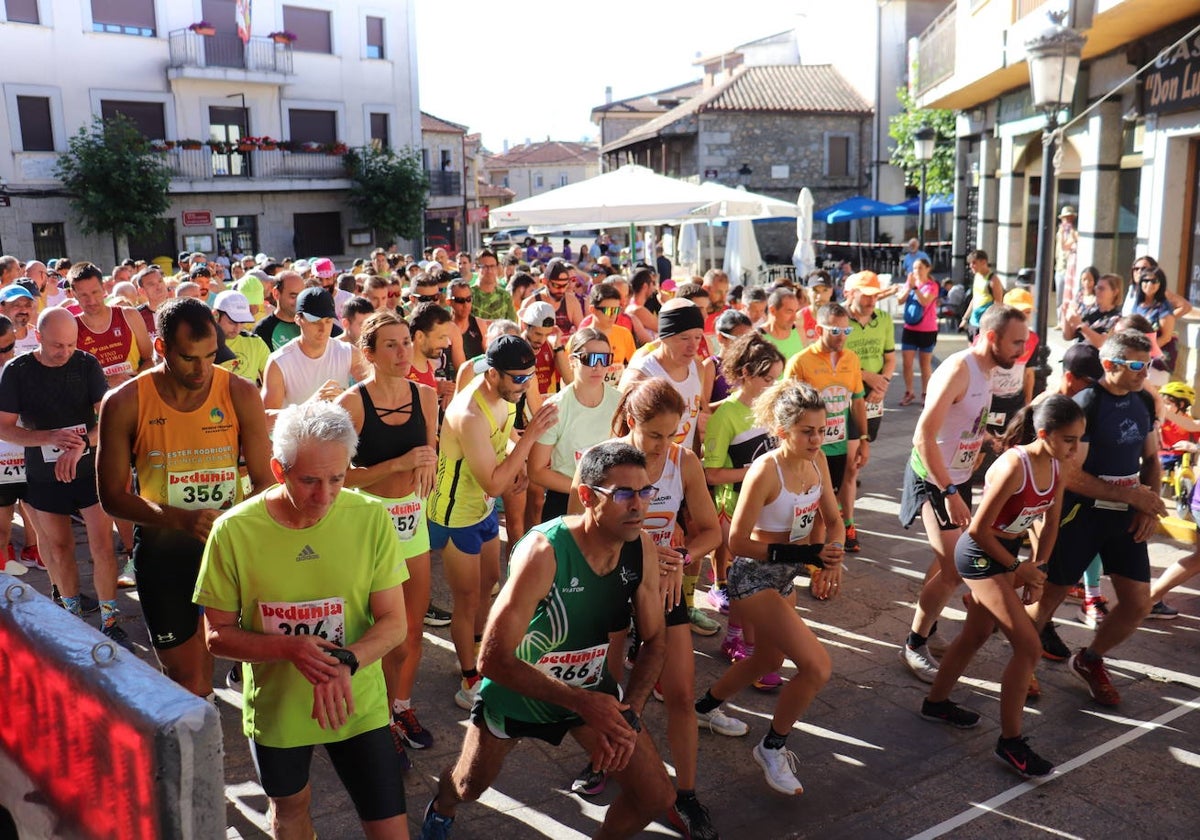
1022	8
444	183
935	50
206	165
187	49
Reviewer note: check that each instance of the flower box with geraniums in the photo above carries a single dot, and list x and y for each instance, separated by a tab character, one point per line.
161	145
203	27
310	146
337	148
282	37
190	145
221	147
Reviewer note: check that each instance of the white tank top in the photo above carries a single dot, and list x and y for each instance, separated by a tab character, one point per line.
303	377
664	507
791	512
689	389
963	428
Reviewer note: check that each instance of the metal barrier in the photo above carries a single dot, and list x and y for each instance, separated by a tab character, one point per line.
94	742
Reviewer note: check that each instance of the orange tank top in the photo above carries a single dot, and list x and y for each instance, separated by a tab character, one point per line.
114	348
187	459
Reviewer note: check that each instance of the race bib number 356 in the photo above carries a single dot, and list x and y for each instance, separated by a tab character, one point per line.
325	617
215	489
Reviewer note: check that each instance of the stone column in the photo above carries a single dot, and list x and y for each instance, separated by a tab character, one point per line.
1009	254
989	192
1098	142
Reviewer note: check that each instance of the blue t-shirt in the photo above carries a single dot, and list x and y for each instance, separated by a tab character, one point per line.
1116	432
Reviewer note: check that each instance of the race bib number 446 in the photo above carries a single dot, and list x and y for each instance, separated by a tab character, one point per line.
325	617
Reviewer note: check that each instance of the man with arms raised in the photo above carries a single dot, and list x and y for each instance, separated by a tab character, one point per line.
571	581
182	425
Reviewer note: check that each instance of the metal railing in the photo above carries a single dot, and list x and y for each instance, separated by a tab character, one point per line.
187	49
204	164
443	182
1021	8
936	51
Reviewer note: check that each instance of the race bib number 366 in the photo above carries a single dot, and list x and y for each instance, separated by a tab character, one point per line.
580	668
325	617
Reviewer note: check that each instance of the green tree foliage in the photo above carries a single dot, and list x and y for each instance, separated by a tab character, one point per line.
115	182
389	190
939	174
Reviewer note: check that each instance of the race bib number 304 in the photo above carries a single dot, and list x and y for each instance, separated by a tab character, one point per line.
325	617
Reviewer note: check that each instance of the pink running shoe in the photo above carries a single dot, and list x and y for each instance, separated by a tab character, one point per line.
734	648
768	682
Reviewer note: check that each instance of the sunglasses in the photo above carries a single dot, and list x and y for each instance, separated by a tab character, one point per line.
463	301
835	330
393	295
626	494
8	348
1133	366
594	359
609	311
1148	280
426	298
518	378
559	286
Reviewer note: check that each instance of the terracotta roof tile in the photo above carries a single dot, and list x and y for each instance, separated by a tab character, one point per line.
437	125
648	103
551	151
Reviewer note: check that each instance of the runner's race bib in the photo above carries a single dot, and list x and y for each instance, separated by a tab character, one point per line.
874	409
1025	519
1119	481
966	452
12	467
803	518
835	428
119	369
51	454
206	489
579	668
407	517
325	617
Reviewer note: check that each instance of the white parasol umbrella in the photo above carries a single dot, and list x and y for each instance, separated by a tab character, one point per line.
689	248
743	261
805	256
731	203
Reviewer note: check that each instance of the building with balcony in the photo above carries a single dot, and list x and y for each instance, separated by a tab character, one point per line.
444	159
272	113
1130	156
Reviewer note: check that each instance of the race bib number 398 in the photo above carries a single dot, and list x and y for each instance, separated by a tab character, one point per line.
325	617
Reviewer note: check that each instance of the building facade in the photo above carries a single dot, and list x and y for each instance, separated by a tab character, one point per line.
251	130
530	169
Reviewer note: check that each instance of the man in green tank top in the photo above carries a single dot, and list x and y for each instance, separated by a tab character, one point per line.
571	582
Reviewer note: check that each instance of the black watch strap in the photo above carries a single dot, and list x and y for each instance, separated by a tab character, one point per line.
347	658
632	719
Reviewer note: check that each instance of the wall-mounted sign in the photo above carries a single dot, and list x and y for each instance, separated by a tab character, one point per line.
1173	82
710	174
197	218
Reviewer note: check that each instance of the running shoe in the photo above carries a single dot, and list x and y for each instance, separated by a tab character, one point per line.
722	724
1035	688
1076	594
949	712
410	729
589	782
11	565
464	698
116	633
920	661
702	625
768	682
87	604
1163	612
435	826
436	617
1015	752
1053	648
1095	676
128	577
851	545
656	693
31	557
718	599
398	742
233	680
779	767
734	648
691	819
1093	611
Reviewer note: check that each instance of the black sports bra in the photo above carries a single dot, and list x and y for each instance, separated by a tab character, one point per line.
378	441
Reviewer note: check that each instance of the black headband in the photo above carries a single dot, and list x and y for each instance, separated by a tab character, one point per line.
674	321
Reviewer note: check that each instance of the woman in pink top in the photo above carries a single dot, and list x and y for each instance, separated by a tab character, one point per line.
920	333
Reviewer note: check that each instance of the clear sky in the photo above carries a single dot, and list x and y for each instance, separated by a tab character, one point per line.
536	68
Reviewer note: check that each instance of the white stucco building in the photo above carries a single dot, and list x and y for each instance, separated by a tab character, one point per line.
349	77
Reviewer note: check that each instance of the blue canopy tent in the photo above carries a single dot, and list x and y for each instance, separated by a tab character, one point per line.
935	204
858	207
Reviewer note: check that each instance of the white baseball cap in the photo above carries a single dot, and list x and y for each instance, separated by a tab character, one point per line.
235	305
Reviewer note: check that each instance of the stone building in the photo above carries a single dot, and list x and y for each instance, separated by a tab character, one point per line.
771	128
533	168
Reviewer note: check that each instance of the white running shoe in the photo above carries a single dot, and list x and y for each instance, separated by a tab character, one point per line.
464	698
779	768
921	662
722	724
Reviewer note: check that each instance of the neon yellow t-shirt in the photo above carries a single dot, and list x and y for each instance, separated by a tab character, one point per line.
316	581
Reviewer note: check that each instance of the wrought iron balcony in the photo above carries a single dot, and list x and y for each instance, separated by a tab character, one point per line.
204	164
222	53
444	182
936	50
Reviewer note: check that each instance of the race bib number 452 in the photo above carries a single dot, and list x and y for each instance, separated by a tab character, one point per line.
325	617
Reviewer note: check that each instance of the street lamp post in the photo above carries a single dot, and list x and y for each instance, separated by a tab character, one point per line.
1053	55
924	141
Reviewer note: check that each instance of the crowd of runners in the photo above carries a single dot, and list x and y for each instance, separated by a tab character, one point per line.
271	451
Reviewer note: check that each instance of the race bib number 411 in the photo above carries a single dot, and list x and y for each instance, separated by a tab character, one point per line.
325	617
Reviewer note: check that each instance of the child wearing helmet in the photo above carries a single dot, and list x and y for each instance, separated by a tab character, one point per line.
1180	431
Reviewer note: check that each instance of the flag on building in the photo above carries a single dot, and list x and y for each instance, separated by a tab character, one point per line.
243	20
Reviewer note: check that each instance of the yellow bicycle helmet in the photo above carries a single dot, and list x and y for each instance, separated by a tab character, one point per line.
1180	391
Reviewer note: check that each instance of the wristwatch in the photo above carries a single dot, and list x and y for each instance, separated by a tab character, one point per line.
346	657
951	490
632	719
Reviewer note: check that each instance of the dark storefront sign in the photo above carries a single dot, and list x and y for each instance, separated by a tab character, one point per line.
1173	82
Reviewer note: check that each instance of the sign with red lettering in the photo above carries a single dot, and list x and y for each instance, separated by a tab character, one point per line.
197	218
